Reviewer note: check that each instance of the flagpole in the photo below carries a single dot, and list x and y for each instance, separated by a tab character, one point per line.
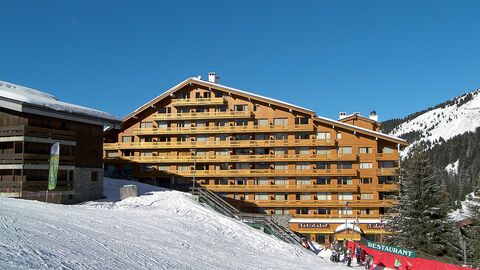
351	239
46	196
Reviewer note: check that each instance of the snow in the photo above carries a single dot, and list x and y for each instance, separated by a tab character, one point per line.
443	123
462	212
31	96
350	226
452	168
162	229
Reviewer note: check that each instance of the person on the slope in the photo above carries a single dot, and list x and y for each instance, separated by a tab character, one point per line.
358	252
349	257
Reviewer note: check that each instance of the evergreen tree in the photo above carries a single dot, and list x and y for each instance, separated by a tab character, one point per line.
472	232
420	218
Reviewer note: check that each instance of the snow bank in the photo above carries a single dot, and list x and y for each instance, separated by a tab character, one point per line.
162	229
452	168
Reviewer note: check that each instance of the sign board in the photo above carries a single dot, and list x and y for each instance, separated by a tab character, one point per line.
313	225
390	249
374	226
52	173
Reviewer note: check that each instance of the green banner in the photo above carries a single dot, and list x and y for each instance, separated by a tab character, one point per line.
390	249
52	173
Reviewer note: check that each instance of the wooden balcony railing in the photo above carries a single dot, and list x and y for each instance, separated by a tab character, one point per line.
252	173
202	115
281	188
388	156
387	187
318	203
221	129
198	101
217	144
385	172
40	132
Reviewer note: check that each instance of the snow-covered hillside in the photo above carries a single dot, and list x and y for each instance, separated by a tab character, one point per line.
160	230
455	118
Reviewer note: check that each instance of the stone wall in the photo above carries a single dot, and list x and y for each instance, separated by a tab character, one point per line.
84	188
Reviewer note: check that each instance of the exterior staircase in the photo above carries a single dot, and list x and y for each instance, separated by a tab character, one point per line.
219	204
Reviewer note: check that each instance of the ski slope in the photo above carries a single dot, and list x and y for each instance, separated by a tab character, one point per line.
163	229
447	122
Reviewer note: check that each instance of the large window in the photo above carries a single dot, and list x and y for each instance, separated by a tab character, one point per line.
324	196
281	181
146	125
346	180
322	150
386	165
302	151
366	180
323	165
323	135
111	154
127	139
280	151
303	166
262	181
261	122
345	211
241	122
323	180
344	165
221	137
303	181
364	150
387	150
301	120
366	196
240	108
345	196
240	181
305	196
302	136
281	136
280	121
261	196
281	166
345	150
280	196
161	124
202	138
365	165
324	211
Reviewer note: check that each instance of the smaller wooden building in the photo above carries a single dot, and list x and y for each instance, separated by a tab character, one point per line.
30	122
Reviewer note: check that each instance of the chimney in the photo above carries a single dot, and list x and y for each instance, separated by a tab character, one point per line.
212	77
341	115
373	116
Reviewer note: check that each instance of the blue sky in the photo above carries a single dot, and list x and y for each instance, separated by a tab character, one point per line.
396	57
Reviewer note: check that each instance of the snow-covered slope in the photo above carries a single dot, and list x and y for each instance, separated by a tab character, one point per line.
160	230
456	117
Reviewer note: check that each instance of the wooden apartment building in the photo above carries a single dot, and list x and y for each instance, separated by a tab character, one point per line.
263	155
30	123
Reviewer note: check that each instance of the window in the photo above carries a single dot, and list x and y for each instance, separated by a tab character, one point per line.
339	135
323	135
387	150
303	181
221	123
386	165
281	136
366	211
164	110
280	151
302	211
221	137
280	196
302	136
146	139
344	165
242	166
223	152
179	124
345	150
347	180
301	121
324	211
281	166
241	122
163	167
145	153
202	138
324	196
183	167
281	211
280	121
364	150
221	109
112	154
261	181
261	122
281	181
323	165
147	168
366	180
345	196
261	137
162	124
303	166
261	196
197	95
322	150
202	124
322	180
94	176
365	165
240	181
345	211
302	151
256	108
203	152
366	196
304	196
184	110
245	196
219	94
235	196
200	109
240	108
126	139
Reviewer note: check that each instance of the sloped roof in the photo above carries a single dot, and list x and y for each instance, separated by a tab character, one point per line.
37	102
259	97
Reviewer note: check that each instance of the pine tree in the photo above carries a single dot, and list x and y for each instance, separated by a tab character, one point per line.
472	232
420	218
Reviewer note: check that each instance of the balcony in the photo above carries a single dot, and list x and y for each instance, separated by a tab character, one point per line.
317	203
221	144
387	187
202	115
38	132
253	173
221	129
386	172
198	101
388	156
231	158
281	188
21	158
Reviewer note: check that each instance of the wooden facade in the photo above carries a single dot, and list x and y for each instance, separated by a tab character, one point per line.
261	154
25	142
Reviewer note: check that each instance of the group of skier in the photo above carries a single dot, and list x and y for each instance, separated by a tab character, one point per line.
363	258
